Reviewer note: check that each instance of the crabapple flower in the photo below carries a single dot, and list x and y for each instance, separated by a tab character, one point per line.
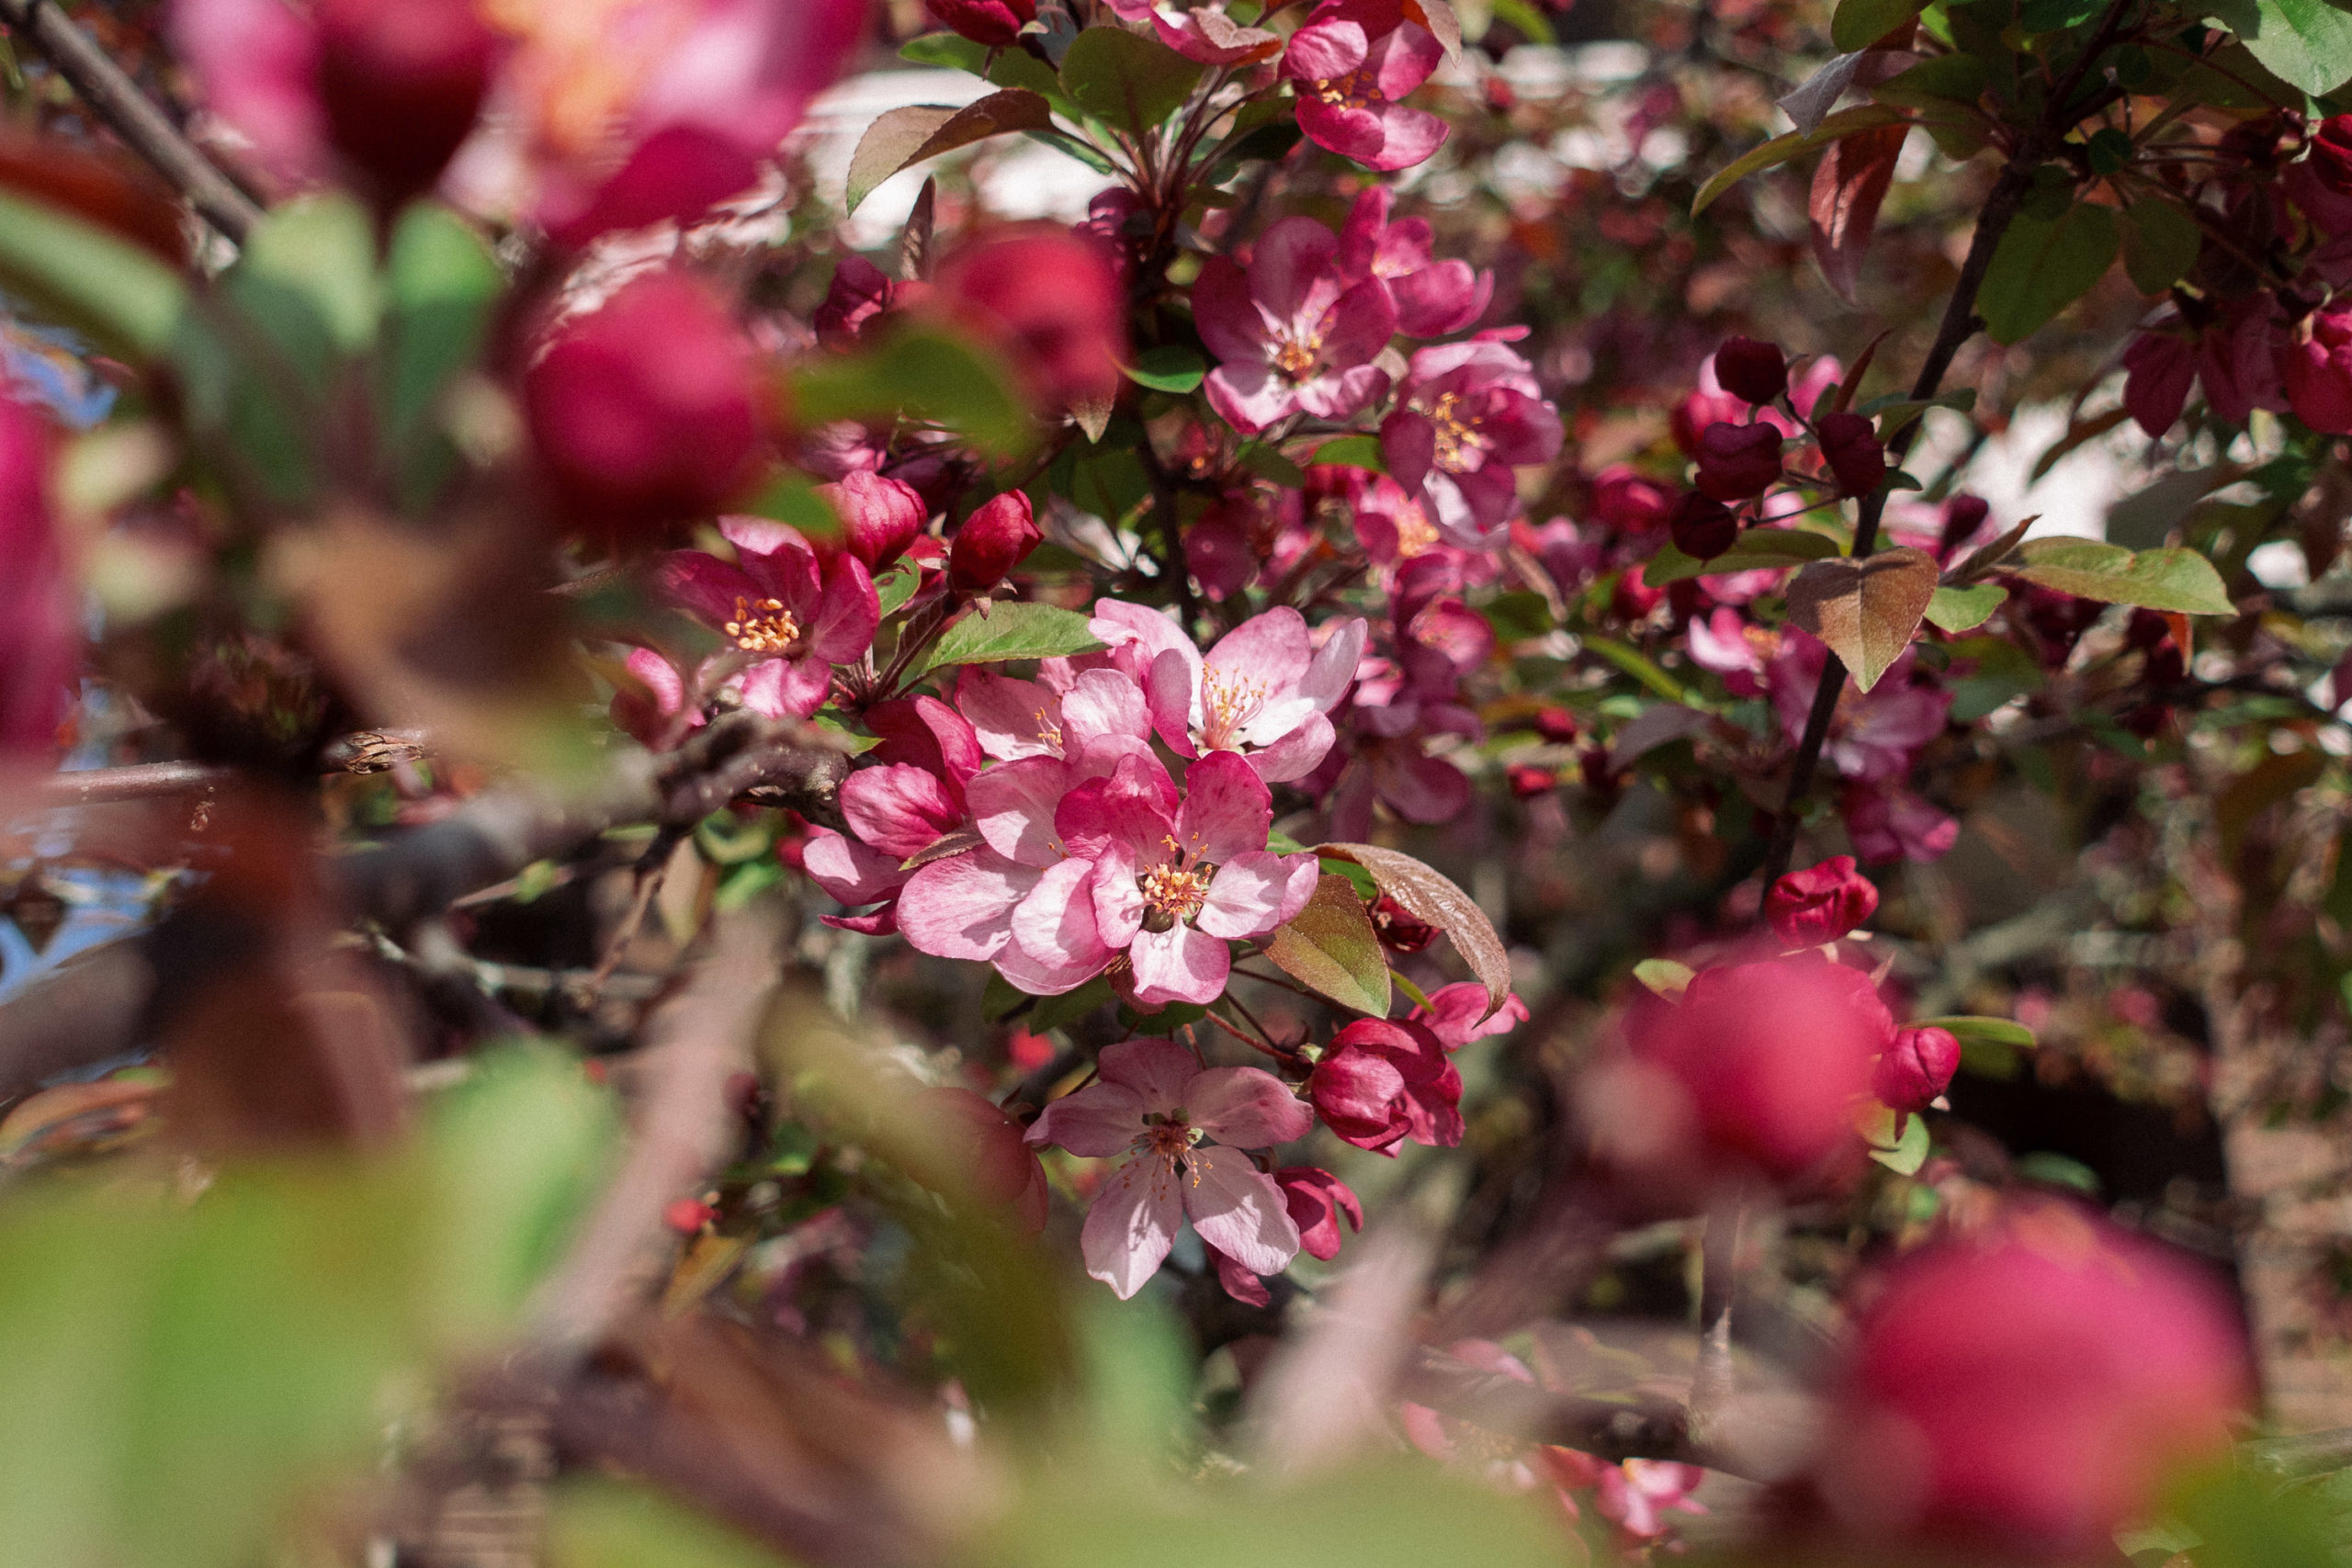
2321	184
1086	716
1432	298
789	617
1172	888
1888	822
2026	1391
992	541
1821	903
1469	414
645	409
1457	1014
1317	1200
1294	333
1050	300
1264	690
1206	34
2316	364
1382	1082
1916	1068
879	517
1352	65
653	711
1751	371
1181	1129
1876	733
1739	462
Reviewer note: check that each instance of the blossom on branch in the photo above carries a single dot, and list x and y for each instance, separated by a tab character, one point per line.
1352	64
1292	334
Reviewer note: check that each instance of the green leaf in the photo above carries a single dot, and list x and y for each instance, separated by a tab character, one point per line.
907	136
2306	43
894	587
1664	976
1523	17
2043	265
991	634
2179	579
1966	1027
1755	548
1861	23
948	51
1964	609
1795	144
1268	464
2055	16
1170	367
1126	80
1519	615
1352	452
1910	1150
118	294
1867	611
2160	244
1435	901
596	1523
920	373
1052	1012
1641	667
441	284
307	278
1330	948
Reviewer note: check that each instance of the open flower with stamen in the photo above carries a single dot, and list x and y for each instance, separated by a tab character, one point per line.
1352	64
1469	414
1264	691
1182	1128
1292	334
789	619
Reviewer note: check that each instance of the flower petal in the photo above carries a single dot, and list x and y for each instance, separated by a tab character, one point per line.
1012	805
898	809
1239	1211
1010	717
1296	755
1179	964
1252	891
1159	1070
1103	703
849	871
702	585
786	688
1227	808
1118	902
962	907
1096	1123
1246	1107
1055	925
847	614
1132	1225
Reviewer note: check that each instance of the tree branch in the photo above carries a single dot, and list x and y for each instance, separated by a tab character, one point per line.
130	114
143	781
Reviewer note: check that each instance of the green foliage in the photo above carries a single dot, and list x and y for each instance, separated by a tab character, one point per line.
922	374
1170	367
2160	244
1352	452
1753	548
991	633
1330	948
441	287
2043	265
2307	44
1126	80
609	1524
1795	144
123	297
1861	23
2178	580
1964	609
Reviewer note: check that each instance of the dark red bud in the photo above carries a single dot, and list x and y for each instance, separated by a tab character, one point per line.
1703	528
1820	904
1963	514
992	541
1557	724
992	22
1400	931
1751	371
1527	781
880	518
1850	444
1739	461
1916	1068
401	82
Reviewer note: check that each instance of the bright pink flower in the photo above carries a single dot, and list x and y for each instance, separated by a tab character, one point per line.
879	517
2158	371
645	411
38	646
1171	888
1468	415
1352	64
653	711
1633	1495
1381	1082
1723	642
1762	1064
1294	333
1264	692
1629	503
256	63
1317	1200
1457	1014
1091	714
2316	364
1916	1070
1205	33
990	1150
992	22
1432	298
1049	300
401	84
2027	1391
1182	1128
991	542
1821	903
791	620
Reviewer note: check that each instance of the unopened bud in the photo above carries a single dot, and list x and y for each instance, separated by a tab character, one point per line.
1703	528
1820	904
1915	1069
1751	371
992	541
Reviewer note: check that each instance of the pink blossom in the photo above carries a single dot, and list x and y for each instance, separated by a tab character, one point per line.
1318	1200
1381	1082
37	647
1821	903
1916	1070
256	62
1182	1128
1049	300
1889	822
1352	64
1264	690
1457	1014
1432	298
1084	715
1468	415
790	619
879	517
859	292
402	85
1725	643
1204	33
653	709
1875	734
2315	362
1294	333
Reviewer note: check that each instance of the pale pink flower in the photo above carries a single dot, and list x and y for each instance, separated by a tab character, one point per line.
1182	1128
1294	333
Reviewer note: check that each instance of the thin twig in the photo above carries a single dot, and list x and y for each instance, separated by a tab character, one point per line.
143	781
130	114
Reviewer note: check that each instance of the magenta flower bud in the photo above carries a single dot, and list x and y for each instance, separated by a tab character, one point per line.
880	518
2316	364
1963	514
1703	528
1916	1068
992	22
1849	444
400	81
645	409
1739	461
1316	1199
992	541
1751	371
1558	726
1382	1082
1820	904
1628	502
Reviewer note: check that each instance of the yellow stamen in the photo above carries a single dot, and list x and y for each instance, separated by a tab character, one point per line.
764	626
1456	437
1229	702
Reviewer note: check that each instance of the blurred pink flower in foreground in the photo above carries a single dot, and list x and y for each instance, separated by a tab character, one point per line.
36	638
1182	1129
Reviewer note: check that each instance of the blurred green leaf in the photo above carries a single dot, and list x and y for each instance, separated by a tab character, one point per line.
1753	549
609	1524
1966	1027
1861	23
307	279
2043	265
441	284
1353	451
991	633
1330	947
1908	1149
1170	367
1664	976
922	374
122	296
1125	79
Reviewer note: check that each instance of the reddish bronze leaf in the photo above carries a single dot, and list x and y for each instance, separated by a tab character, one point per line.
1847	187
1867	611
1431	898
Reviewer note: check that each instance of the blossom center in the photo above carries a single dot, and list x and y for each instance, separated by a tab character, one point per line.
1296	356
1358	89
762	625
1171	894
1458	438
1229	702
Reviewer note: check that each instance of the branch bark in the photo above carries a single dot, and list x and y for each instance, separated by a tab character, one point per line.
130	114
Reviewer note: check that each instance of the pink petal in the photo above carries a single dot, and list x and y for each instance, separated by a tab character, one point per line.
1421	789
775	556
1271	649
962	907
849	870
1227	808
1250	892
1043	977
1403	59
1441	298
1222	312
1250	395
1362	236
1158	1071
1102	703
1407	137
1118	902
786	688
1246	1107
1297	754
1010	717
1172	688
1323	50
1132	1225
1351	133
1012	805
847	614
1239	1211
1408	444
1290	259
1343	394
1134	806
1055	925
1359	326
1333	668
897	809
702	584
1095	1123
1179	964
